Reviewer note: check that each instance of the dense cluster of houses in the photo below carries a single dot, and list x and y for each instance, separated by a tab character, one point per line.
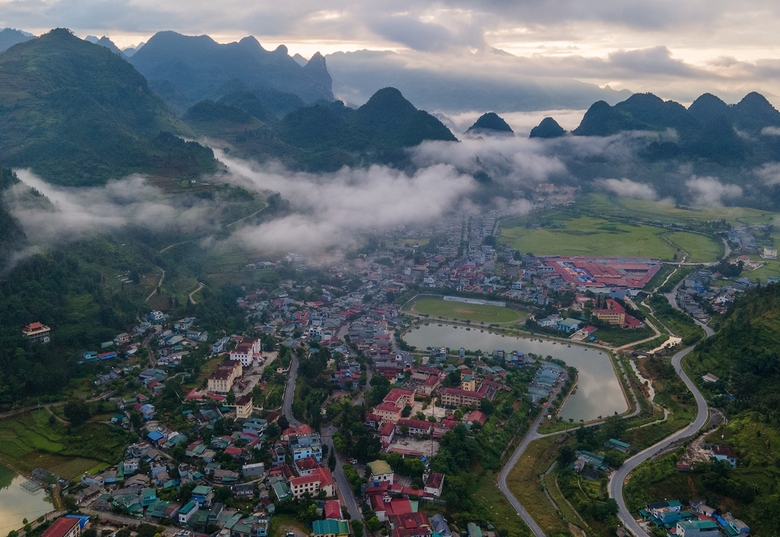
697	520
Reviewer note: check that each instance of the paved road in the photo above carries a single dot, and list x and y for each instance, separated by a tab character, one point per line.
289	392
618	479
344	488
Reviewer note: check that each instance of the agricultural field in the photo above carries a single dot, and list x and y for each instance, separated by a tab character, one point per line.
32	440
650	211
563	234
477	313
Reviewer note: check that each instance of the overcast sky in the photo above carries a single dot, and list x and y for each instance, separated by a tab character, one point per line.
675	48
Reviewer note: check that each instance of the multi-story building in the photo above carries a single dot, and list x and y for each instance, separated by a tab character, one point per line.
456	397
221	380
246	351
307	445
320	479
64	527
244	407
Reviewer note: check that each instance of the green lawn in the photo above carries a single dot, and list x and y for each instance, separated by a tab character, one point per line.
562	234
477	313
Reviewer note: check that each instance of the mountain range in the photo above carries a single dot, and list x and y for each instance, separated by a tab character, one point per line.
197	67
708	129
78	114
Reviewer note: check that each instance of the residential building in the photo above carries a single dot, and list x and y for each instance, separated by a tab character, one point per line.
187	512
380	472
725	453
309	445
697	528
244	407
434	482
321	479
333	510
253	470
330	528
388	412
64	527
203	495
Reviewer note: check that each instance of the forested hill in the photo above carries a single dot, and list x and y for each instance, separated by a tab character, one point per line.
11	235
78	114
322	137
745	354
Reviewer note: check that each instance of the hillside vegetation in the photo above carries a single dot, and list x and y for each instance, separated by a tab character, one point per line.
78	114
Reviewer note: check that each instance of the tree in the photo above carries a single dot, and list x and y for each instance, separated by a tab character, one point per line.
77	412
230	398
406	412
357	528
373	524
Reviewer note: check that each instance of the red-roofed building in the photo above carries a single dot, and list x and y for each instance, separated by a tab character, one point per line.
320	479
37	332
457	397
64	527
434	483
414	426
399	398
234	452
479	417
388	412
410	525
306	466
385	507
333	510
372	420
386	434
300	430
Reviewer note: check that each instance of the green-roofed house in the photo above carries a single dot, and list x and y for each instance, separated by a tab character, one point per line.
331	528
612	443
474	530
148	497
282	491
697	528
187	512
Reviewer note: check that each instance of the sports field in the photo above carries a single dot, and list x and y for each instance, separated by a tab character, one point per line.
476	313
561	234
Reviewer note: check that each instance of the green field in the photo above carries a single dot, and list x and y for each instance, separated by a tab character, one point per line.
29	441
563	234
650	211
477	313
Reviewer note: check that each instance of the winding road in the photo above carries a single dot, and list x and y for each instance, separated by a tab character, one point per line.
618	479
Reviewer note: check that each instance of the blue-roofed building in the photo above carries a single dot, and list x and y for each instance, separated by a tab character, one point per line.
155	436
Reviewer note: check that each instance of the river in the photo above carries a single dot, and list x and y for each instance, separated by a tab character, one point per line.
16	503
598	389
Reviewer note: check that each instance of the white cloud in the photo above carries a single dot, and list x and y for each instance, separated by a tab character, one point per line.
769	173
710	192
339	209
628	188
76	213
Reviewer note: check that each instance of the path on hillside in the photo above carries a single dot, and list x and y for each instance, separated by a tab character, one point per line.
48	406
201	285
618	479
159	285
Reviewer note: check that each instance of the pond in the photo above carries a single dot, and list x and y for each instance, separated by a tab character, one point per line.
16	503
598	390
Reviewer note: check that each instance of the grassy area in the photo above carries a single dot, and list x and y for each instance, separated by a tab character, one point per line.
282	524
663	212
564	507
503	515
478	313
618	337
524	483
29	441
563	234
700	249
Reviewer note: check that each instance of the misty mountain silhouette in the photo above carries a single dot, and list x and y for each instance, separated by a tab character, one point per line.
490	122
547	128
322	137
79	114
198	65
10	37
